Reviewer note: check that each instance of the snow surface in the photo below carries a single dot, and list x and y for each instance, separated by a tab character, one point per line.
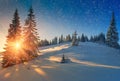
90	62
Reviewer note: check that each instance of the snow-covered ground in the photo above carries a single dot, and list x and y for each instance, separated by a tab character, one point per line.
90	62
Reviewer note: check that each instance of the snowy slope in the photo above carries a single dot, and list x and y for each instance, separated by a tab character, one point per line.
90	62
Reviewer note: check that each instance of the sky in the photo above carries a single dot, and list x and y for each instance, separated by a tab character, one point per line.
56	17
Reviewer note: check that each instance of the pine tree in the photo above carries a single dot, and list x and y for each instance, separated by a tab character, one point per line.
101	38
55	41
82	38
79	38
112	34
50	42
63	59
61	39
68	38
86	39
44	43
75	40
31	38
12	54
91	39
95	38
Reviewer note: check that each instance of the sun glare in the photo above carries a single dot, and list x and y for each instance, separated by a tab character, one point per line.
17	45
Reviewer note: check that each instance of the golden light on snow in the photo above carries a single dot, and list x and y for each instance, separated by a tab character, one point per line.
7	75
57	48
54	58
48	67
40	71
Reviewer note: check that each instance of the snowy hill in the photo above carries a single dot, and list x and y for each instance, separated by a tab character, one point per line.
89	62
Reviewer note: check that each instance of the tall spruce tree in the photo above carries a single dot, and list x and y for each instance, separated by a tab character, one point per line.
112	34
12	53
31	38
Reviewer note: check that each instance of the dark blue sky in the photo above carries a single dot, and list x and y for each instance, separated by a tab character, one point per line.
56	17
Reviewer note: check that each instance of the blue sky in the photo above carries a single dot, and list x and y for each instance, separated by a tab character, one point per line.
56	17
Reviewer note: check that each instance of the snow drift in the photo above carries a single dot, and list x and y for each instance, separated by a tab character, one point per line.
90	62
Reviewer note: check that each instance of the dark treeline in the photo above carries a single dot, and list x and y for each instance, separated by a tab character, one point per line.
68	38
110	38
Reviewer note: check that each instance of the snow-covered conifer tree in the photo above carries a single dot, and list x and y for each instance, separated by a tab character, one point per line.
12	54
31	38
112	34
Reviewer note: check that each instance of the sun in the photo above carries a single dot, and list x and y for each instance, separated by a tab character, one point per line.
17	45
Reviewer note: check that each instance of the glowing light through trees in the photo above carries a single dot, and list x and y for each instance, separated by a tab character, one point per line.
17	45
22	44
